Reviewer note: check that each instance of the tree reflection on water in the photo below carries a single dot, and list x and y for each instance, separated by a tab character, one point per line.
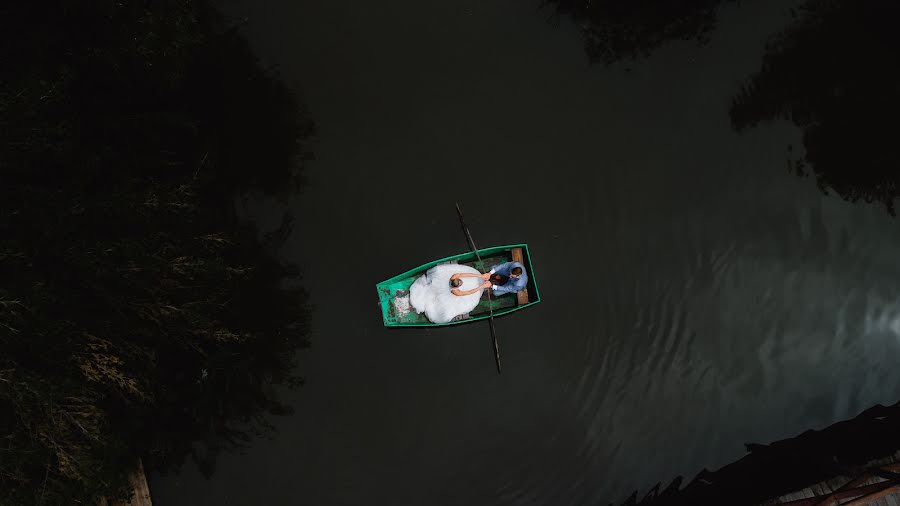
616	30
833	72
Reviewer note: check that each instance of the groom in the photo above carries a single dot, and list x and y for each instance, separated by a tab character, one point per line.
507	278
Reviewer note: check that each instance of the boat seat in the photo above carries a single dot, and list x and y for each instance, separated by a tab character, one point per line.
521	295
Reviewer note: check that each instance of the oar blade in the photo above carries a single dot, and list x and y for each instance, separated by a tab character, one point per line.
496	345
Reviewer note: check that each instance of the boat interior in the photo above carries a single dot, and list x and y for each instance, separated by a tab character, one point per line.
500	305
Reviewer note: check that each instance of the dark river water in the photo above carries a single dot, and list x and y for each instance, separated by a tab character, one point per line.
696	296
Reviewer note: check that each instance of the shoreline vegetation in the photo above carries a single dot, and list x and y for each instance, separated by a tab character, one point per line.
140	320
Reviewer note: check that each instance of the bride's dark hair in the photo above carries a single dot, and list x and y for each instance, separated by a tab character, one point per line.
455	282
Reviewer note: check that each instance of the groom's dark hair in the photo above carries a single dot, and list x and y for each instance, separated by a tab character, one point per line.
498	279
516	270
455	282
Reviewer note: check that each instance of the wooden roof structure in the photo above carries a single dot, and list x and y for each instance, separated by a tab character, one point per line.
877	484
853	462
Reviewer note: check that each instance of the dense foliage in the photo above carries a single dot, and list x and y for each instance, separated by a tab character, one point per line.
833	72
615	30
138	317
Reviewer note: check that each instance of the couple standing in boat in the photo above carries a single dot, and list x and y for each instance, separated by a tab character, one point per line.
449	290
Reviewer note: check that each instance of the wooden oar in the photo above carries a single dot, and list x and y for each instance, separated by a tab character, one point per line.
471	242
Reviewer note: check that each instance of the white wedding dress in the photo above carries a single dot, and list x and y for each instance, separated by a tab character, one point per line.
430	294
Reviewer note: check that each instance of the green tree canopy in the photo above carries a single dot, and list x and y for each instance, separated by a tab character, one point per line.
138	317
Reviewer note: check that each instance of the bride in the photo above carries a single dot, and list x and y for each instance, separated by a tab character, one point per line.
446	291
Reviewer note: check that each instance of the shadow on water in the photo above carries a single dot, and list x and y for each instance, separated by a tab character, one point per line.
833	73
616	31
138	316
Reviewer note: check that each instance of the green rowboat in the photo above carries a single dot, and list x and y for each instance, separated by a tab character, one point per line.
393	293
